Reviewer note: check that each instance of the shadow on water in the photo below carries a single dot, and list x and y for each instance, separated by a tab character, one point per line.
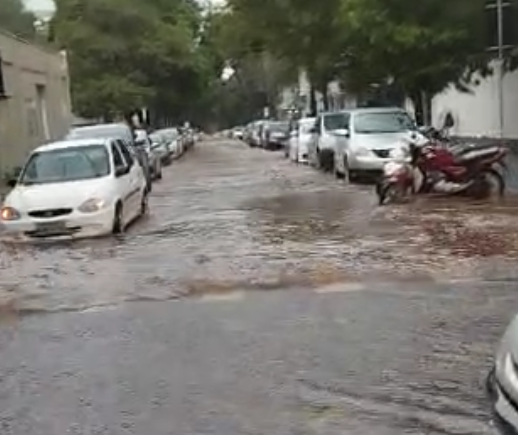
317	217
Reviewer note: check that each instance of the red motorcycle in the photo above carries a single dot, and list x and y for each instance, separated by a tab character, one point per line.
468	170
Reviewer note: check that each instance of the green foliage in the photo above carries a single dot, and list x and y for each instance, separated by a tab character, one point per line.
423	46
259	74
15	19
126	54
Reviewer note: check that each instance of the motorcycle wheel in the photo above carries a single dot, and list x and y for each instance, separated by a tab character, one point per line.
389	193
489	184
496	183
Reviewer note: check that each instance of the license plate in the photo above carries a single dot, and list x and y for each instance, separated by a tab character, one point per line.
51	227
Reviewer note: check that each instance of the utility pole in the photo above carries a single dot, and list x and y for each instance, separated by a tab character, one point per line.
501	71
500	10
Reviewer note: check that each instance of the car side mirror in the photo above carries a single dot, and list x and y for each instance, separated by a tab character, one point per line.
121	170
342	132
12	182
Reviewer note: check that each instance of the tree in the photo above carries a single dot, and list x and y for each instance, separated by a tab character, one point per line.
305	34
424	48
258	75
16	19
127	54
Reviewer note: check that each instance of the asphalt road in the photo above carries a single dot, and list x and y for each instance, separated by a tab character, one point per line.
260	298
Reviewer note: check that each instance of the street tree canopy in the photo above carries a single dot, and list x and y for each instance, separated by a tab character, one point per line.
126	54
423	46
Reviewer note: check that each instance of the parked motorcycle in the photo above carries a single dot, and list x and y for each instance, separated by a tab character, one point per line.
467	170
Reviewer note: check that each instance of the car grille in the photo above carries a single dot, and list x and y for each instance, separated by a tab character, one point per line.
50	213
384	154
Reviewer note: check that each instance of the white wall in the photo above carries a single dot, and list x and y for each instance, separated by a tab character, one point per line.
477	113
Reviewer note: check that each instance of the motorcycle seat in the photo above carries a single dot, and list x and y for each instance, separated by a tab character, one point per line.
473	150
477	154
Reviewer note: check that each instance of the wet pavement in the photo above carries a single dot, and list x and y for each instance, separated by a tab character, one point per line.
260	297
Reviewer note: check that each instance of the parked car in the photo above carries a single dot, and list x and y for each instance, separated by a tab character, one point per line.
363	144
322	146
175	141
247	134
115	131
256	133
238	133
276	135
502	381
160	146
188	137
300	138
142	140
76	188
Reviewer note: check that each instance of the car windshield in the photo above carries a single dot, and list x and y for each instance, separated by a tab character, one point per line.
335	121
101	131
66	164
383	122
171	135
279	127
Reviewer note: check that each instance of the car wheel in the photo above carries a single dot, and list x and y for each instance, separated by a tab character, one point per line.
345	175
144	204
326	160
118	220
316	160
353	176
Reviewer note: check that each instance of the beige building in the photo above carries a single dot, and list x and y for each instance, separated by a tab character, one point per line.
35	102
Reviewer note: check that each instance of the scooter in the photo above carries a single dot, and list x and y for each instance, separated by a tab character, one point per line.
440	169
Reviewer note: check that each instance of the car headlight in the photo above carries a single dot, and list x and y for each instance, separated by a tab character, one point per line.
362	152
92	205
9	214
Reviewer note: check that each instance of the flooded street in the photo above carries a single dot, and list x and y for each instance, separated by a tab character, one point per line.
260	297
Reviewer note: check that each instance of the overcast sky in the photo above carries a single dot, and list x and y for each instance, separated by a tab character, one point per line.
39	4
49	5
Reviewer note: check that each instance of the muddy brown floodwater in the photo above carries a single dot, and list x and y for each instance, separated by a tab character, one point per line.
226	217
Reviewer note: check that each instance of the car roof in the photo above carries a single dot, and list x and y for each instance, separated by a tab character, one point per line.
357	110
102	127
72	143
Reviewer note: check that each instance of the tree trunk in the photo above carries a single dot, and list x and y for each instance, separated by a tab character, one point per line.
312	101
423	107
325	96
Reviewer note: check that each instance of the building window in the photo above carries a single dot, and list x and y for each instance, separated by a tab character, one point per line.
32	117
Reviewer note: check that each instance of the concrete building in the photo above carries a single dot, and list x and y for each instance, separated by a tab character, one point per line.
477	113
35	104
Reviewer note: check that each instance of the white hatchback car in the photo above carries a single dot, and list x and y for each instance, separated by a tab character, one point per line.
76	188
503	380
300	139
364	142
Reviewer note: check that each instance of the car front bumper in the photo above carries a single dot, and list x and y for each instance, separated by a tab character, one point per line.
74	226
367	163
504	407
